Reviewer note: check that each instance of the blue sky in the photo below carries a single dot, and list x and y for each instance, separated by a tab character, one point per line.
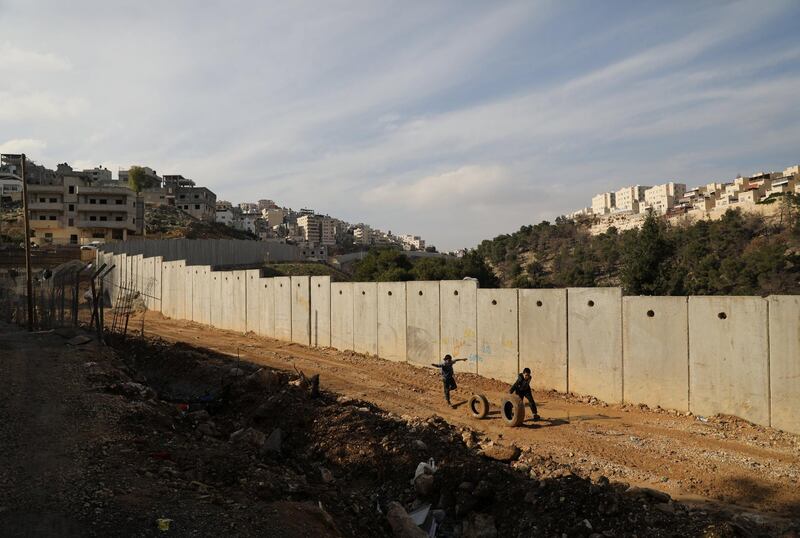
454	120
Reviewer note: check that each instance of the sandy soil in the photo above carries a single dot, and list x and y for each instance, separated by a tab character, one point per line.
719	460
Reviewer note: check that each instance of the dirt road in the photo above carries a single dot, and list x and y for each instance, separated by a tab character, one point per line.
722	460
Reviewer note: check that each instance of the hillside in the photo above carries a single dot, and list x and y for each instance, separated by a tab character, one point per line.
170	222
739	254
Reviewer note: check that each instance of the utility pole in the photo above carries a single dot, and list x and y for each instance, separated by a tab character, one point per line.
26	219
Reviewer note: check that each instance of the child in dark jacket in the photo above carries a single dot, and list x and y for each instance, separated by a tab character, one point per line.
448	376
522	388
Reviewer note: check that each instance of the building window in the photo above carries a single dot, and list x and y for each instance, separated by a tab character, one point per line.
53	200
197	206
72	207
71	222
103	219
92	201
52	217
92	217
103	201
98	235
42	217
119	219
196	196
42	200
73	239
72	189
119	201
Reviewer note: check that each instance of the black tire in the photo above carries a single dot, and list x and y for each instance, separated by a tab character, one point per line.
513	411
479	406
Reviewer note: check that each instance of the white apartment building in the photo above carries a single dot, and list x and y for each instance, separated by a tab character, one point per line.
662	198
412	242
628	198
98	174
602	204
362	235
317	229
148	172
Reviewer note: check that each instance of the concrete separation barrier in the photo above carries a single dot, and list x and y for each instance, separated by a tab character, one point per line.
301	310
321	311
365	317
543	337
392	320
458	306
342	315
784	365
656	351
595	342
422	322
729	357
498	337
283	308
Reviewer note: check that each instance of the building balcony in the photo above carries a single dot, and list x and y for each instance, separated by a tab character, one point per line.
110	224
46	206
107	191
35	188
46	224
105	208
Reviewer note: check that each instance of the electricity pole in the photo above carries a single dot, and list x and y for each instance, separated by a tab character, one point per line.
26	219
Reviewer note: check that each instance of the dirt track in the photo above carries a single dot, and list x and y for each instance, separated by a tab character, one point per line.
724	460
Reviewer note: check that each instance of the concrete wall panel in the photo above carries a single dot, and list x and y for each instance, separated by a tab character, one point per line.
201	301
595	342
784	356
217	313
655	344
422	322
459	319
342	315
301	310
237	309
321	311
188	292
172	287
283	308
267	307
254	311
728	357
543	337
365	317
392	320
498	337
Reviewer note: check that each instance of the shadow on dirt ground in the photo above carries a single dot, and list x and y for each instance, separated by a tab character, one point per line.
214	446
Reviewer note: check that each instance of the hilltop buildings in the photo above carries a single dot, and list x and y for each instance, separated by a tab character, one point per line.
627	207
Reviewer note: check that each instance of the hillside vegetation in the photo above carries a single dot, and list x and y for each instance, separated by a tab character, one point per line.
739	254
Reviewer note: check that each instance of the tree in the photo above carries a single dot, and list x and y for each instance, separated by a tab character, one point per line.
138	179
645	259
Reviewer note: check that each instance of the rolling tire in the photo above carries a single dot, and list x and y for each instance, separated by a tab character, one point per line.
479	406
513	411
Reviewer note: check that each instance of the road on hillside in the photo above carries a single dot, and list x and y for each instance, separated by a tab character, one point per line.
722	460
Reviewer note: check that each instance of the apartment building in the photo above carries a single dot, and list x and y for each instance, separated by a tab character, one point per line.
10	188
628	198
274	216
602	204
149	173
412	242
317	229
362	235
98	174
199	202
78	211
662	198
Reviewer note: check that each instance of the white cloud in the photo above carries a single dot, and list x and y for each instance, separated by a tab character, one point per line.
468	185
30	146
14	58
